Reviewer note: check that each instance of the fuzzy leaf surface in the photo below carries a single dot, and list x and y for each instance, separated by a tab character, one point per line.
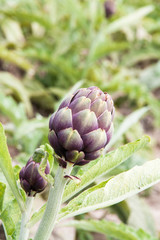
114	190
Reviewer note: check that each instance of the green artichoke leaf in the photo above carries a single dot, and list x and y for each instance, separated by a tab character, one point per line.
10	217
114	190
7	169
47	148
10	212
42	168
119	231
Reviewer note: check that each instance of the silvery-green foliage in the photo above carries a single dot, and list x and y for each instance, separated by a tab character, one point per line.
114	190
97	169
111	229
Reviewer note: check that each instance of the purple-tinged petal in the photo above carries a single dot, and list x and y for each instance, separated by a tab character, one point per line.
51	121
85	121
21	174
109	103
94	155
94	94
25	185
65	102
80	104
110	133
94	140
80	93
107	96
55	144
98	107
104	120
39	184
113	113
29	171
102	96
74	156
35	174
82	162
70	139
62	119
29	161
94	88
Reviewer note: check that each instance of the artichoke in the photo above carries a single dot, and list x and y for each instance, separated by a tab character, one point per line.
82	126
30	179
109	8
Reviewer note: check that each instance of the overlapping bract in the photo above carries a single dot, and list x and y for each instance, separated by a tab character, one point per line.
30	179
82	126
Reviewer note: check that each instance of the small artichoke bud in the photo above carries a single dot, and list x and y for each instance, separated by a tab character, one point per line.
30	179
109	8
82	126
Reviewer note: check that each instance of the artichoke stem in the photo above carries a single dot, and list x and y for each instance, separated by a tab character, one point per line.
24	231
53	204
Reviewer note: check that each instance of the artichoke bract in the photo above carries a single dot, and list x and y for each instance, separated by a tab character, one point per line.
82	126
30	179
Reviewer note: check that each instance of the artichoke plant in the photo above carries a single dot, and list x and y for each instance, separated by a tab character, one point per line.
30	179
82	126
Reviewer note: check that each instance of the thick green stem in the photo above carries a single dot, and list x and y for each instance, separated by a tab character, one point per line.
24	232
53	204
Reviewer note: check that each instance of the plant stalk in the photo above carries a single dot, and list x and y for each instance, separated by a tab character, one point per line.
24	231
53	204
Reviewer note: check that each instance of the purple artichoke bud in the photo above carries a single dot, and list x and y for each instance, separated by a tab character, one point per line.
82	126
109	8
30	179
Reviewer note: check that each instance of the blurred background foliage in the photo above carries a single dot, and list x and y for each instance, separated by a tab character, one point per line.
50	48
